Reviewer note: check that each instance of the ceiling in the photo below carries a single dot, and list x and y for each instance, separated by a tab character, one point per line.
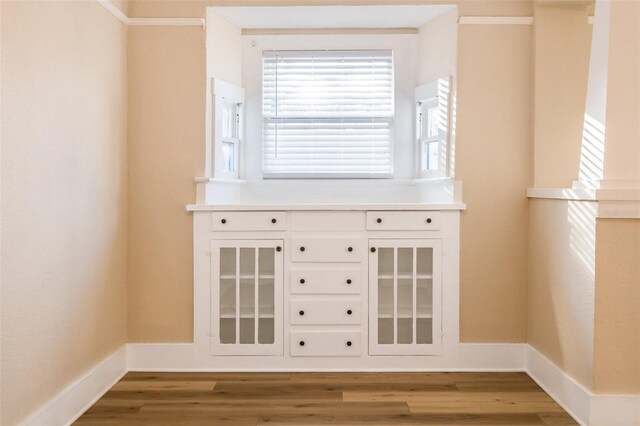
332	17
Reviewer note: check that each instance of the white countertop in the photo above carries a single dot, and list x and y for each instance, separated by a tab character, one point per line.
325	207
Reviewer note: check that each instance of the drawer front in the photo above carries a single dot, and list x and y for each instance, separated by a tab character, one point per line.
325	343
337	280
403	221
249	221
345	311
327	221
327	249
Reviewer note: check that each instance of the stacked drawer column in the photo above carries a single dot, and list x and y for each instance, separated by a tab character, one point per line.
326	279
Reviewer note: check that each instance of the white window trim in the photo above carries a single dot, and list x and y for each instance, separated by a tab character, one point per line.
224	92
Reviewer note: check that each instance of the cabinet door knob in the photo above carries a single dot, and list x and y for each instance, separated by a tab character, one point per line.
349	343
301	343
350	249
223	221
349	281
273	220
302	248
428	220
379	220
301	313
349	312
278	248
373	249
302	281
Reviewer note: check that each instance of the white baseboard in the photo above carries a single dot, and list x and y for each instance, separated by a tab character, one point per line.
75	399
583	405
184	357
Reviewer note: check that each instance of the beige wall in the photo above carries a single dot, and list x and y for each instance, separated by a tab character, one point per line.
63	197
562	40
493	162
617	324
562	284
166	152
622	155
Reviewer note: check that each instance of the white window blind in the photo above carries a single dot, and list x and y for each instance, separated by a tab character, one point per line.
327	114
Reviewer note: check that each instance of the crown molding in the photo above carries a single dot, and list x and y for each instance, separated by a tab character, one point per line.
154	22
495	20
114	10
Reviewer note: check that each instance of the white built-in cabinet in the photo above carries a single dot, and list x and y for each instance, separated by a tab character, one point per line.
326	285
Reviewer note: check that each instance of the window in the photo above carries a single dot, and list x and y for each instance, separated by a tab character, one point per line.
432	119
228	101
328	114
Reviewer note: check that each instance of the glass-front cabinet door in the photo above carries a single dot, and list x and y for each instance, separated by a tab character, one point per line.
246	297
405	297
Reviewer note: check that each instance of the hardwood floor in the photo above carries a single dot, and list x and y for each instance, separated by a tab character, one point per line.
325	398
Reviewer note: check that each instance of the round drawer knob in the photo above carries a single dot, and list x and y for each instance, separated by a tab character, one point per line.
278	248
302	281
349	281
273	220
223	221
379	220
350	249
301	343
349	312
302	249
301	313
373	249
428	220
349	343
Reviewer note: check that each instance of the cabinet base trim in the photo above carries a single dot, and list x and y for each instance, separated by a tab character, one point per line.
185	357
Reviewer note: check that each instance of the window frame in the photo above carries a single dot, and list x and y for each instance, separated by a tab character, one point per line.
225	95
427	96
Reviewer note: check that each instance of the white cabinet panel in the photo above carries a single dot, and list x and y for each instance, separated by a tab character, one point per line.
403	221
249	221
322	311
327	249
326	279
325	343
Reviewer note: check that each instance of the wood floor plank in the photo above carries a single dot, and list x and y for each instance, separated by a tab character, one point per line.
249	399
494	407
403	419
278	409
479	397
173	385
496	386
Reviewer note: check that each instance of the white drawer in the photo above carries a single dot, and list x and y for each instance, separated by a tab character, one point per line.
325	343
249	221
403	221
345	311
329	279
327	221
327	249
